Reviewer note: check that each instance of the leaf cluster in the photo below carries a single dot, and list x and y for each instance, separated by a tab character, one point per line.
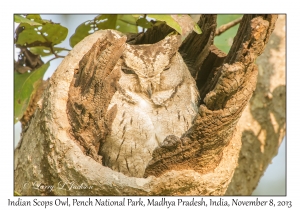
36	38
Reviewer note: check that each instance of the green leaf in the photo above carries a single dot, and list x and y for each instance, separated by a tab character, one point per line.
106	21
187	24
136	16
34	17
82	31
143	22
129	19
169	21
90	26
24	86
126	24
48	32
224	41
197	29
20	19
122	23
45	51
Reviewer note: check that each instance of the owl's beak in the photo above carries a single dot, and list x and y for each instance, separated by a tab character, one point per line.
150	85
149	90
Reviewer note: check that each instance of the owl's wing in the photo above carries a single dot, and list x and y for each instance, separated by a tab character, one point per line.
91	90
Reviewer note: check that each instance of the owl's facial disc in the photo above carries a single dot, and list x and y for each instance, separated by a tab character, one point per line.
150	60
148	84
151	68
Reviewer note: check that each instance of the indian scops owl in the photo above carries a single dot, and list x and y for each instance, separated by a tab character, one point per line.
156	97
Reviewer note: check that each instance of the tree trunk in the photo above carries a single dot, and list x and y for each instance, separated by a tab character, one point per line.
58	151
263	122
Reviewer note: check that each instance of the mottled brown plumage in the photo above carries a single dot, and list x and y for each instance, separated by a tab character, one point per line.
156	97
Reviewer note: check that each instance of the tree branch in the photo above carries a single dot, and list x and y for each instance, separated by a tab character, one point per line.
263	122
56	56
227	26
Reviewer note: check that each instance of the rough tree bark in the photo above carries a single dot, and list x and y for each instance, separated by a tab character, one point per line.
263	122
208	160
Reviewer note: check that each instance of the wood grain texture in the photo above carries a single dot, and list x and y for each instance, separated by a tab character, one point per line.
91	91
231	88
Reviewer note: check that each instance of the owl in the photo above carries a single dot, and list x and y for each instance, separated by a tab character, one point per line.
156	97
